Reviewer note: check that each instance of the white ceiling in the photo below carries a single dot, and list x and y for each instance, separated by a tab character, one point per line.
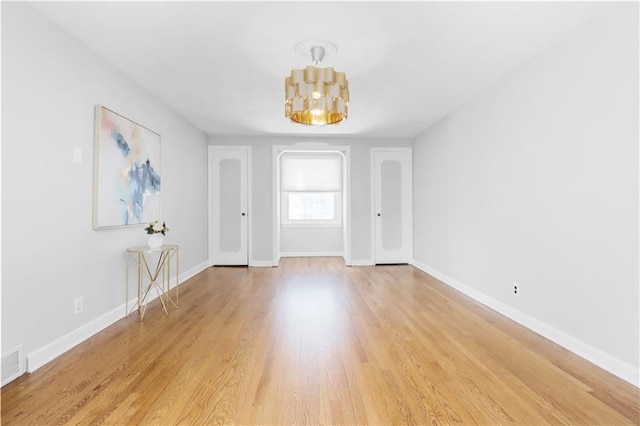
222	64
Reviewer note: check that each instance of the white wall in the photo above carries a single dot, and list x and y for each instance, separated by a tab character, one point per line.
262	190
50	253
318	241
536	182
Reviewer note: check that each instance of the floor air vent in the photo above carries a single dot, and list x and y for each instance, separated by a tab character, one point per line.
13	365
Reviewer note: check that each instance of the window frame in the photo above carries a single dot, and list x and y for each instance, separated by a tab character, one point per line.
311	187
287	222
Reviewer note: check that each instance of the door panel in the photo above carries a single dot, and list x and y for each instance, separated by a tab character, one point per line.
392	204
229	196
230	226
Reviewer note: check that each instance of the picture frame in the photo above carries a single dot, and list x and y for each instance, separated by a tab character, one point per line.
126	172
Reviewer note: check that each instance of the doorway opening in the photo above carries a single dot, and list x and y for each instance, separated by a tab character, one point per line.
311	193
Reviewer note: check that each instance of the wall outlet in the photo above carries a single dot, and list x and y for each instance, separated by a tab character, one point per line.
78	306
516	289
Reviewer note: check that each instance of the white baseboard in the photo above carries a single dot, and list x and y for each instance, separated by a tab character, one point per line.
261	264
49	352
362	262
313	254
594	355
193	271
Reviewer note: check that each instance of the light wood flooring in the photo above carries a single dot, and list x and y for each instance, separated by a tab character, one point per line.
315	342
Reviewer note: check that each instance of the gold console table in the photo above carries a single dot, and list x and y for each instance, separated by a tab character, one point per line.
158	278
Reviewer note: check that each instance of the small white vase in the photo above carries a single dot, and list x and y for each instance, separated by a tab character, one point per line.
155	240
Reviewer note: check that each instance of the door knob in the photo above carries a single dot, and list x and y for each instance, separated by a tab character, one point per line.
379	214
244	214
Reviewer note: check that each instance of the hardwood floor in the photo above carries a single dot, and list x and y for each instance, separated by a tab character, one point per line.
315	342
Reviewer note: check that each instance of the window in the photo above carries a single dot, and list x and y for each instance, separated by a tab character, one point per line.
311	206
311	189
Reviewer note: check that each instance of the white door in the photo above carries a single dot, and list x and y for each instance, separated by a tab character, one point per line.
392	205
228	208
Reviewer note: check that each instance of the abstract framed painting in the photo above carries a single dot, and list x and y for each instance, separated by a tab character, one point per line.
126	172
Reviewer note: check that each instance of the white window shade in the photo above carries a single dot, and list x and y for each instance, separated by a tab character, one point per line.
317	174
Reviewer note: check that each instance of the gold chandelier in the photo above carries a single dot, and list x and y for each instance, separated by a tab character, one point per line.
316	96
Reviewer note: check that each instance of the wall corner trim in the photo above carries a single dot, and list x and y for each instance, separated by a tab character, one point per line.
594	355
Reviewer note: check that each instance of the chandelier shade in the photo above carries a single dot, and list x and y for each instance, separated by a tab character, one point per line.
316	96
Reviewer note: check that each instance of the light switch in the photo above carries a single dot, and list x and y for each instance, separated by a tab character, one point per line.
77	155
